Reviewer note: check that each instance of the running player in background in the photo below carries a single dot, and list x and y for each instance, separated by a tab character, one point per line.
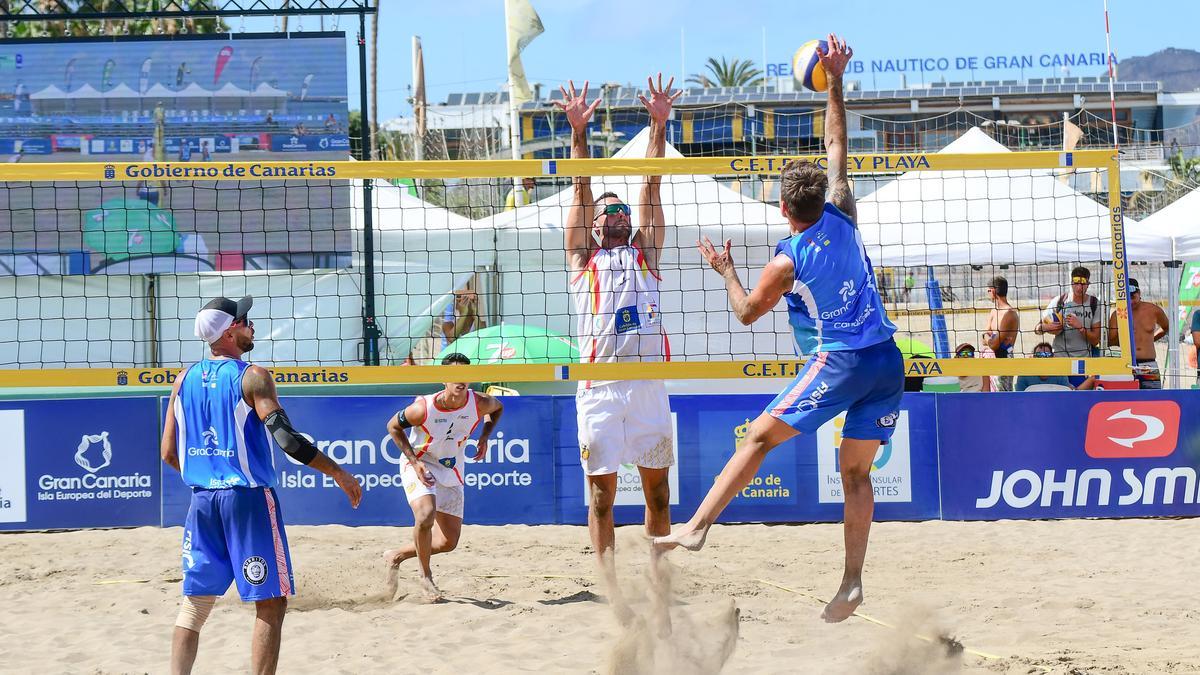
433	473
614	292
839	321
221	416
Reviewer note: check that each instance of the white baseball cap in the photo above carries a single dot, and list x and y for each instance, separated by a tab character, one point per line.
218	315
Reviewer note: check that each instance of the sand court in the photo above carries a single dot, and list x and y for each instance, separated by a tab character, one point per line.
1080	596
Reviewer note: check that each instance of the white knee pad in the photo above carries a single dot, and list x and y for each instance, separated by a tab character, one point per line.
194	611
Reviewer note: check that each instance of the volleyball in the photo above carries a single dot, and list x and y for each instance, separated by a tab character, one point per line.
807	67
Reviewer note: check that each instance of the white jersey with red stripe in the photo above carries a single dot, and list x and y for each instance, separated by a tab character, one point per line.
440	440
615	297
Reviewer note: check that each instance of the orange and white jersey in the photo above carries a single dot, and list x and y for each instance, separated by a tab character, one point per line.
616	302
439	441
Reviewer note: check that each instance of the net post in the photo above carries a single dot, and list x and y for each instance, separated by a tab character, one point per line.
1116	220
371	332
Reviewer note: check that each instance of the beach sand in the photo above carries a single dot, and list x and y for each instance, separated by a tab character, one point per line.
1077	596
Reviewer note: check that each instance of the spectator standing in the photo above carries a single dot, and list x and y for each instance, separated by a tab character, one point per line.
1196	342
1002	327
1149	326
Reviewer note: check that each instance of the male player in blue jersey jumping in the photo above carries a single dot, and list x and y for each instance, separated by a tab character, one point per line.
221	417
839	322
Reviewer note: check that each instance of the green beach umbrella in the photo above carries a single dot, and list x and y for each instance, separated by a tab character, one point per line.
514	343
121	228
910	348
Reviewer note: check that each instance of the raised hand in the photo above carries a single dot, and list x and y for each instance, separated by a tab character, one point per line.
661	99
576	106
721	261
836	58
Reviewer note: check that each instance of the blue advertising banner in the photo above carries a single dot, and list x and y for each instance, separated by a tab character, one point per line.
1101	454
69	463
799	481
322	143
513	483
25	146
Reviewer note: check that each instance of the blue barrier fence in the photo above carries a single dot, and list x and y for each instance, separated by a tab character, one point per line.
94	463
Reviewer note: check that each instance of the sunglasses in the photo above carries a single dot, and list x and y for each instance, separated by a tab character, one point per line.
966	354
614	209
243	321
1042	355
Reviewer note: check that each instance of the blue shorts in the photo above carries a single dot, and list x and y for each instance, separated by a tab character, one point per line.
236	534
865	383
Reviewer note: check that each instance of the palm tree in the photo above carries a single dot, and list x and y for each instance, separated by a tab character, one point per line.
736	74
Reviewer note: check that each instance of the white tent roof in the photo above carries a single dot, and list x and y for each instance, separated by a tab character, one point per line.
264	89
121	91
982	217
85	91
231	89
157	90
1180	222
193	90
51	92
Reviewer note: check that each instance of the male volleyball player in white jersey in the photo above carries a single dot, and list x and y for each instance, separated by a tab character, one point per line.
614	292
839	321
221	415
432	475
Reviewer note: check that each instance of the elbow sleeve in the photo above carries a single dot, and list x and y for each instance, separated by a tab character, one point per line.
290	441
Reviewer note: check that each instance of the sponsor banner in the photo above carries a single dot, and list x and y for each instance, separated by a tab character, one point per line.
1102	454
69	463
798	481
513	483
321	143
173	145
25	146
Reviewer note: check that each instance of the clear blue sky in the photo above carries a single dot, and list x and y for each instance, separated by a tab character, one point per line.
624	40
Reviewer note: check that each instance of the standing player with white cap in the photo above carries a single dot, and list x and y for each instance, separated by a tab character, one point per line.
221	416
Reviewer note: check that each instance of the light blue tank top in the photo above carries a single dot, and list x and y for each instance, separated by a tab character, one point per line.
221	441
834	304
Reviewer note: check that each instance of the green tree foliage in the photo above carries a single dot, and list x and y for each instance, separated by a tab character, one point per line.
737	73
69	27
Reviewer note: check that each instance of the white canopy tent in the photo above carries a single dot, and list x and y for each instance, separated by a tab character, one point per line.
533	274
422	253
982	217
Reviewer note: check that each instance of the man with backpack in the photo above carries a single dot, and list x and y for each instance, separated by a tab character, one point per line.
1074	319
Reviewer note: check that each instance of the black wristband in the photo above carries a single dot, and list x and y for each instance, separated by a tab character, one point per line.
290	441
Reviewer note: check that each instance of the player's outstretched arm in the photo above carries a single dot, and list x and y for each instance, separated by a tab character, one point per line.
651	222
412	416
775	280
493	408
841	194
258	389
577	236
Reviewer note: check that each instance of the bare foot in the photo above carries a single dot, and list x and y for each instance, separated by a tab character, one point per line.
691	538
394	557
430	589
848	598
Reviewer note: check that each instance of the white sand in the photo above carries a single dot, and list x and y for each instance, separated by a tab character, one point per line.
1063	597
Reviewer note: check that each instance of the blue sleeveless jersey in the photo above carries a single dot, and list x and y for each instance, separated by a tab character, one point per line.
834	304
221	441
